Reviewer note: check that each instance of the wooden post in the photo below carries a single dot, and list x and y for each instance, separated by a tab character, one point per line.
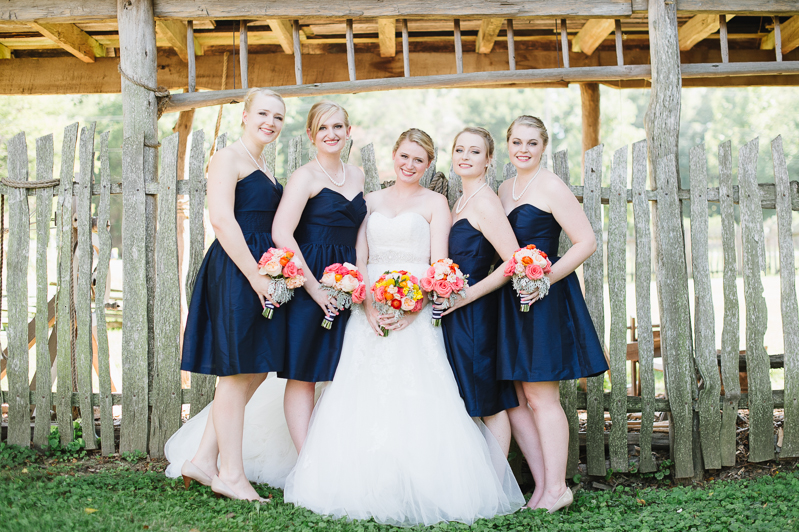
564	44
297	51
192	59
662	132
511	45
589	100
138	60
243	53
458	46
350	51
372	182
619	47
406	61
725	49
778	38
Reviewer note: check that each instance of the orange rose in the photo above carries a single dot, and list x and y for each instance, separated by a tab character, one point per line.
527	260
530	246
289	254
389	296
285	260
339	277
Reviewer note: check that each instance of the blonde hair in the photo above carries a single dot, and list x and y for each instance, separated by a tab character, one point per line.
480	132
321	111
255	91
419	137
531	121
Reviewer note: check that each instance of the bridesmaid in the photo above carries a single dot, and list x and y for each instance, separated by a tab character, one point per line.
225	333
319	218
479	229
556	339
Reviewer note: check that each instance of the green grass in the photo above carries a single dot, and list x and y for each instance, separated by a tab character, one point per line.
74	496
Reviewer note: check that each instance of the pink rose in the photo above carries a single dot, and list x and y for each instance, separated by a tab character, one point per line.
457	285
442	288
333	268
290	269
343	270
510	268
359	295
534	271
418	306
264	259
414	279
431	272
359	275
427	284
380	293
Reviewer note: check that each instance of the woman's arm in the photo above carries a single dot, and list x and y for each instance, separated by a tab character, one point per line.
222	180
570	215
362	254
440	225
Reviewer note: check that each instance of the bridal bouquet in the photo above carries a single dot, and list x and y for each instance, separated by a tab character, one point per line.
286	274
445	279
530	269
345	283
397	292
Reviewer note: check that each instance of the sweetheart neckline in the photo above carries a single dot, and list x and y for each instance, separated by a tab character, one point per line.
340	194
523	205
274	183
400	214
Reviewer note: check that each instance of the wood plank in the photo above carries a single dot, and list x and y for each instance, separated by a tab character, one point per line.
83	286
203	386
738	7
44	211
454	187
564	42
704	320
591	35
730	331
295	154
283	31
350	51
511	44
72	39
427	178
297	52
458	46
619	45
103	264
191	57
723	41
165	416
789	35
133	433
5	52
761	420
64	324
243	54
568	388
697	29
372	182
270	157
777	39
617	288
788	303
176	33
489	29
406	63
593	271
17	296
643	278
589	106
387	33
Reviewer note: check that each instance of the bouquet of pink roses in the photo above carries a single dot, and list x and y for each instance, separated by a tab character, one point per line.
345	283
445	279
530	269
284	270
397	292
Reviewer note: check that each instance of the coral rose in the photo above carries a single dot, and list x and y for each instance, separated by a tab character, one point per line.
457	284
534	271
359	295
431	272
510	268
333	268
427	284
343	270
442	288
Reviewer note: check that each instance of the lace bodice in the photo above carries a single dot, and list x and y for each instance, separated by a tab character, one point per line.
403	239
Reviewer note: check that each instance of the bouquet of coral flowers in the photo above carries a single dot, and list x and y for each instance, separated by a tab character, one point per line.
530	269
284	270
345	283
397	292
448	281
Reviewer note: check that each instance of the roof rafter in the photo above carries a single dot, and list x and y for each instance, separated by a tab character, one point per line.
592	34
489	29
72	39
283	31
174	31
697	29
789	32
387	33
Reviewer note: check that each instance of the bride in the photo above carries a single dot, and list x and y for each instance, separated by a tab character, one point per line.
390	438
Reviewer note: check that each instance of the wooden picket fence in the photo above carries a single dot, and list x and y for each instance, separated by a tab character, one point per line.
152	397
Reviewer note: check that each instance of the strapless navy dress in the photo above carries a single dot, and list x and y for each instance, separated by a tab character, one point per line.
326	233
225	333
556	339
470	332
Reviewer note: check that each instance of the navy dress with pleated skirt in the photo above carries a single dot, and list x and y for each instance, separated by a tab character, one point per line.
326	234
556	340
470	332
225	332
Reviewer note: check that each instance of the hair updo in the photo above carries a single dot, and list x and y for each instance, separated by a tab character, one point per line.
531	121
255	91
321	111
480	132
419	137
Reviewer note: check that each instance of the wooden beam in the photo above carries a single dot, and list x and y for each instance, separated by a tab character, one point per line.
387	33
283	31
591	35
789	32
737	7
589	100
72	39
697	29
564	42
723	42
350	51
511	45
778	38
192	59
5	53
489	29
406	61
619	45
458	46
295	29
176	33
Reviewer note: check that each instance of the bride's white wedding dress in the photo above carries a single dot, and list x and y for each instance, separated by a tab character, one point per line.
389	437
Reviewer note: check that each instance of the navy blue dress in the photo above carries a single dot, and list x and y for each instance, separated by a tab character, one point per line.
225	333
470	332
556	339
326	234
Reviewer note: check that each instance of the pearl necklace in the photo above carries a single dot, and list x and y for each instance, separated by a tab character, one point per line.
513	191
459	208
343	173
262	169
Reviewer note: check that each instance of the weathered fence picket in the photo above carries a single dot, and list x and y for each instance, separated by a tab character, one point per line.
17	289
101	276
788	304
761	404
704	321
617	288
44	208
593	270
454	187
372	181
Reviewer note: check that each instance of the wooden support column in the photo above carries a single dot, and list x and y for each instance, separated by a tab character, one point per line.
406	61
589	99
564	42
725	48
192	63
458	46
619	46
243	54
489	29
511	45
138	61
297	51
350	51
778	38
662	123
387	33
592	34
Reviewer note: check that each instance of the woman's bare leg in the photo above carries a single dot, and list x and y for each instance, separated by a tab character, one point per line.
298	406
499	425
526	434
